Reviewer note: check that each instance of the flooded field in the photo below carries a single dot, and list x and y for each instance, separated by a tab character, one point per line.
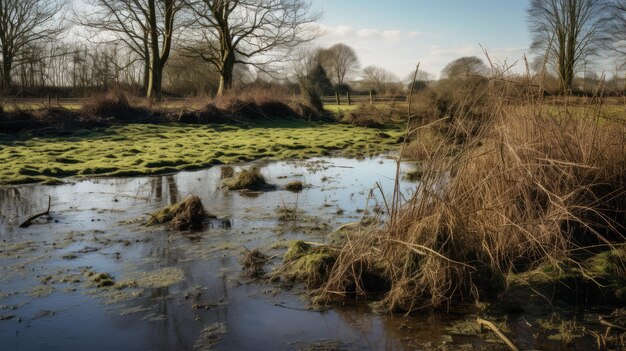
92	276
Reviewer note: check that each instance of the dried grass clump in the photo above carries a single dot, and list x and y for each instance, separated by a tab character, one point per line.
114	105
255	104
295	186
189	214
253	262
226	172
372	116
530	187
247	179
45	119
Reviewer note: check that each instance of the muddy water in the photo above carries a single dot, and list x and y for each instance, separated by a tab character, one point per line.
183	292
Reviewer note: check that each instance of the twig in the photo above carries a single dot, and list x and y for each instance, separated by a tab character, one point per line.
29	221
483	322
610	325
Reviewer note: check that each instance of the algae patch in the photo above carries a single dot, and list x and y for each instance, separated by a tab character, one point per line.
210	336
161	278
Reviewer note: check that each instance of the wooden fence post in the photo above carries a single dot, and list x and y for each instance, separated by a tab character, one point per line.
371	98
349	100
337	98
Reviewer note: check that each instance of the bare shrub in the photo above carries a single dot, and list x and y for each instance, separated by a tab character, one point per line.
116	105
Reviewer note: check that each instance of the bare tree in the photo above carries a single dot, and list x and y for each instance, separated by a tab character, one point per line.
379	78
23	25
248	32
340	61
566	32
615	27
464	67
145	26
422	79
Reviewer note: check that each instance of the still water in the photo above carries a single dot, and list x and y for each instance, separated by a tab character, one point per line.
187	291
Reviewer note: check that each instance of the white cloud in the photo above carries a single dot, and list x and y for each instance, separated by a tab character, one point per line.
368	33
392	34
399	51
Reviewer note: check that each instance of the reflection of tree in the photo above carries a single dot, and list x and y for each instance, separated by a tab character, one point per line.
172	188
156	188
172	322
389	332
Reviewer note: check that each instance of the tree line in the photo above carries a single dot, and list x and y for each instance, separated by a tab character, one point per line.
194	46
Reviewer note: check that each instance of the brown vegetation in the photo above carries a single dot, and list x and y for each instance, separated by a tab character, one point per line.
524	189
247	179
115	105
239	107
189	214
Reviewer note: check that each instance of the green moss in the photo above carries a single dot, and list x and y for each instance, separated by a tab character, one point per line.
141	149
247	179
308	264
295	249
102	280
184	215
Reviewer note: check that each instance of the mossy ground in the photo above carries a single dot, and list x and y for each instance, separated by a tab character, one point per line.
143	149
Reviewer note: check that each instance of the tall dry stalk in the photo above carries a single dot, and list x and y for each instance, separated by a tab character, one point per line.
529	184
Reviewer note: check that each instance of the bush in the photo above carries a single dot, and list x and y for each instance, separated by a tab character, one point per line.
114	105
527	188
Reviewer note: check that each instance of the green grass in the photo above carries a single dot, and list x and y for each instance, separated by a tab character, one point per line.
142	149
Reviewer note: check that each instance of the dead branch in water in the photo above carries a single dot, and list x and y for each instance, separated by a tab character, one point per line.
483	322
29	221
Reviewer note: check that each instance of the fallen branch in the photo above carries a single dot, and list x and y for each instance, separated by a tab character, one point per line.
29	221
483	322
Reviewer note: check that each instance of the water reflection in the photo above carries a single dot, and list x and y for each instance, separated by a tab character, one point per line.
106	215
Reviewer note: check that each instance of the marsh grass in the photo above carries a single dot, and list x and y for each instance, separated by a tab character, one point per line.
505	190
247	179
188	214
253	262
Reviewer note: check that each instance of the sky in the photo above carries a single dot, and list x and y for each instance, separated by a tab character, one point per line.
397	34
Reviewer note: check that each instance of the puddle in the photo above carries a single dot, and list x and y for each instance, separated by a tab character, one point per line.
169	291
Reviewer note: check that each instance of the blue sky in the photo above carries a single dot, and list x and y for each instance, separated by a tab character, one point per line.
396	34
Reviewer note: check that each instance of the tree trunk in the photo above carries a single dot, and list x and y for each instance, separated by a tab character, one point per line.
6	73
146	75
154	81
226	73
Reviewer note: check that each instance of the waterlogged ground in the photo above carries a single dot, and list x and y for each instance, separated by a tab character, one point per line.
143	149
187	291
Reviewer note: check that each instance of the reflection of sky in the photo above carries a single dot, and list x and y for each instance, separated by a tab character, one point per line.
95	204
95	213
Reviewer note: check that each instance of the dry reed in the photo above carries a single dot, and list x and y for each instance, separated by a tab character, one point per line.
527	185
